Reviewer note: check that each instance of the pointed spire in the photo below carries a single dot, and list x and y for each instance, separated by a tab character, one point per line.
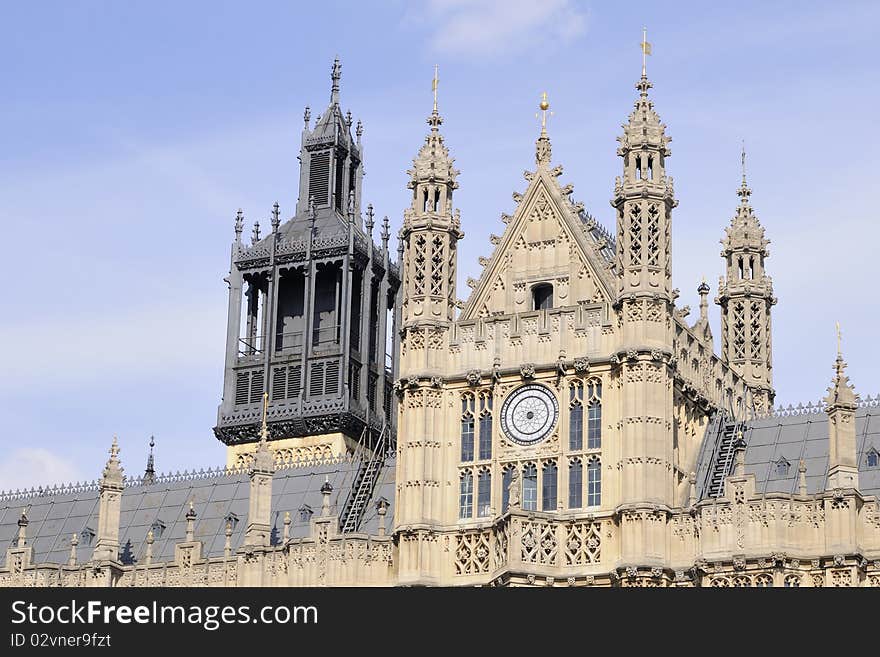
150	472
744	192
841	394
435	83
239	225
435	120
335	74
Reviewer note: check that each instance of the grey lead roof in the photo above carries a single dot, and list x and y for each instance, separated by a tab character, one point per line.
54	518
794	436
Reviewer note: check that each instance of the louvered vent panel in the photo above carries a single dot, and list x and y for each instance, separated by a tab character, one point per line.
371	390
331	380
319	177
294	381
279	383
316	380
354	379
387	401
256	387
242	380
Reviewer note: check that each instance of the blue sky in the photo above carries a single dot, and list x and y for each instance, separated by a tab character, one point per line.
131	132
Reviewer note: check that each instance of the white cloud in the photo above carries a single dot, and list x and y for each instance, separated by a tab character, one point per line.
490	27
27	465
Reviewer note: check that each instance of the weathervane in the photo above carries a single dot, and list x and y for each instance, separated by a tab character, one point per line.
839	355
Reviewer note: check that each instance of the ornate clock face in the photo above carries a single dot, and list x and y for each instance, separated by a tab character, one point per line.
529	414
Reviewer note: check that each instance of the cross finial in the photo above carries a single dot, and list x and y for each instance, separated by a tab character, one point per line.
544	106
646	50
434	83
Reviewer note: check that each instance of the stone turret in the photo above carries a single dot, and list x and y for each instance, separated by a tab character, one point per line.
840	405
745	295
109	508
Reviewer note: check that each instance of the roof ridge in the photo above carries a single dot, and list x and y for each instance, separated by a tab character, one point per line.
816	407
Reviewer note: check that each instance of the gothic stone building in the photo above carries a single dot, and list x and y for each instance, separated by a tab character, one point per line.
566	425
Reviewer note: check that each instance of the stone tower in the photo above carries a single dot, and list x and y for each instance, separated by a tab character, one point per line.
644	199
309	308
745	295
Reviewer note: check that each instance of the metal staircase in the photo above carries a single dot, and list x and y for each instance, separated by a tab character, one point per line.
371	462
723	438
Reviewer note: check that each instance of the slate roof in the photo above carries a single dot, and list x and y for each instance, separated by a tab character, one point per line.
54	517
792	436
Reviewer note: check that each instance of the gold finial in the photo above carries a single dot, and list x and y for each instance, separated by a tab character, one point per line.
434	83
839	354
544	106
744	161
646	50
264	430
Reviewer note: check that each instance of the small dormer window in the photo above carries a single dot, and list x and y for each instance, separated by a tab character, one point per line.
232	519
782	467
86	536
158	528
542	296
305	513
872	460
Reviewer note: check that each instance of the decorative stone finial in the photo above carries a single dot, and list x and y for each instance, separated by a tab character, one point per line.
285	534
149	554
307	116
113	469
802	477
351	206
239	225
276	217
227	546
255	234
326	489
335	75
740	446
348	119
369	222
22	528
386	232
190	522
263	459
359	130
74	541
312	214
382	509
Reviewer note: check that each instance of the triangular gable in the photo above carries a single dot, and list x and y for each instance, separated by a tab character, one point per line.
545	241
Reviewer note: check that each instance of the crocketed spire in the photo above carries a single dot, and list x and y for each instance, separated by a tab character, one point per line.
841	393
644	127
745	231
433	164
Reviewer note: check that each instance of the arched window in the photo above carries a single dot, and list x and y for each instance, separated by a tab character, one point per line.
485	425
782	467
548	486
484	492
872	460
575	484
576	416
792	581
650	168
466	495
436	200
530	487
594	418
542	296
425	201
638	168
763	581
594	482
467	428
